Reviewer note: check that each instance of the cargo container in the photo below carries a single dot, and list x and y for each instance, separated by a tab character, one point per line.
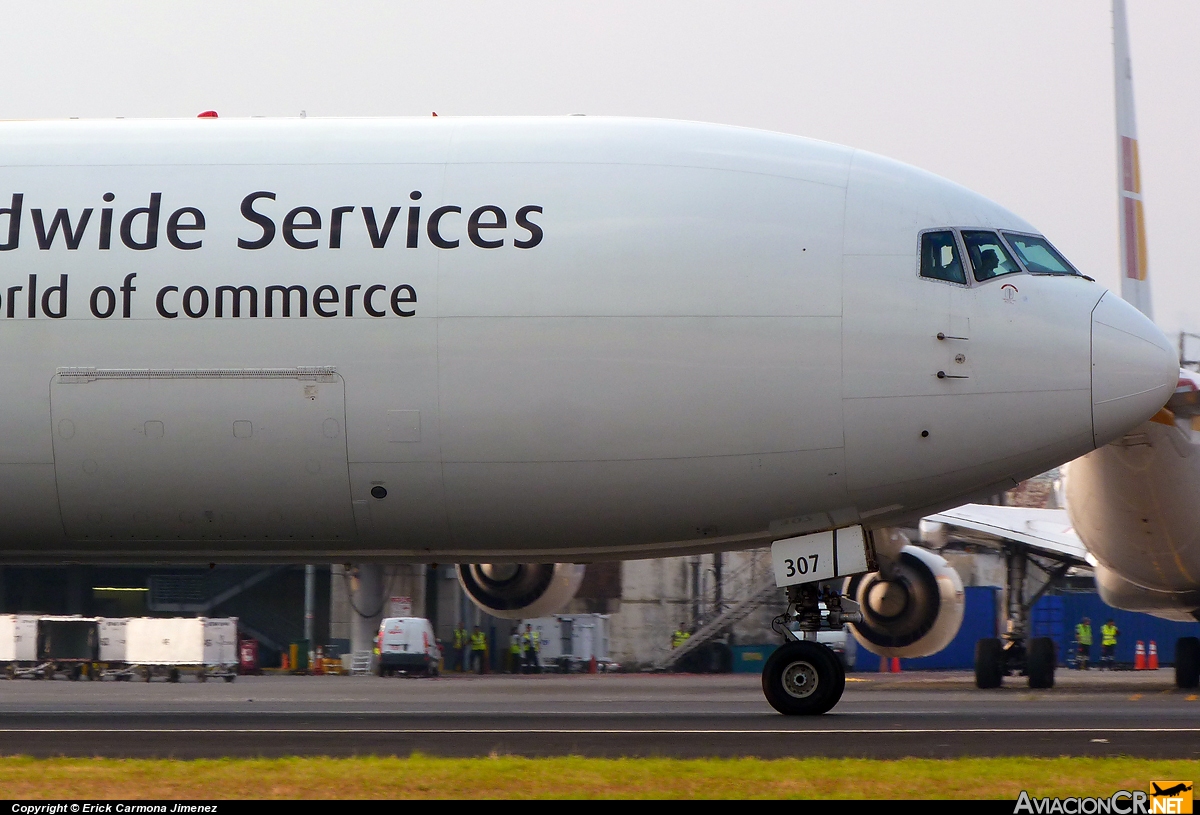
69	646
42	647
570	641
112	640
112	649
169	646
18	643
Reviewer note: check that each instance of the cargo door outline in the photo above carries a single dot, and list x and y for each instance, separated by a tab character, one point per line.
201	454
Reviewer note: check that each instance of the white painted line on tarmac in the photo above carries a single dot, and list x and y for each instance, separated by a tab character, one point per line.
586	731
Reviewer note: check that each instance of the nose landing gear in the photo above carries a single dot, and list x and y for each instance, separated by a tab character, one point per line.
804	677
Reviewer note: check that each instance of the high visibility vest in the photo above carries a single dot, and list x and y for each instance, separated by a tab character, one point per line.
1083	634
460	637
478	641
679	638
532	640
515	646
1108	635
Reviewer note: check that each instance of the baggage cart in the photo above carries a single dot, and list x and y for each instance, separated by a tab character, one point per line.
68	646
569	642
18	645
169	647
113	664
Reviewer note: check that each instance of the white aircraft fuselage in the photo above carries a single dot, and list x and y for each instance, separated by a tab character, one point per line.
1134	503
481	340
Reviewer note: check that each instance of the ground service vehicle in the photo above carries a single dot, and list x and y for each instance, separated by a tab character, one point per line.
408	645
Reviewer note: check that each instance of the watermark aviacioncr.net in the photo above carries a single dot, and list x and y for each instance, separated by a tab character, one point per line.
1163	798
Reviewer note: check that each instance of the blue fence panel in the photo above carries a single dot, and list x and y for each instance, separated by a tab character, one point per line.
979	621
1046	618
1131	626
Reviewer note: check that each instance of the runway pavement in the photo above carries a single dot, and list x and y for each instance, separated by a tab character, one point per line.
881	716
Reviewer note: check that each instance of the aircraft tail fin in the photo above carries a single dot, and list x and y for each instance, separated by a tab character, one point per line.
1135	281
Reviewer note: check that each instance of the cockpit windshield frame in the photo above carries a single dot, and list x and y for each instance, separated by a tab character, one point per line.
961	258
1008	234
1004	241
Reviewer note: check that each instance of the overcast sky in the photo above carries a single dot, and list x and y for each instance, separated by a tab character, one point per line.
1013	98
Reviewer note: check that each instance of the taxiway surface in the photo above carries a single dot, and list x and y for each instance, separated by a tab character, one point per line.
880	716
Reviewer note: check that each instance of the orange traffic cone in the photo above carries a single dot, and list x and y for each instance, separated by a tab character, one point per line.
1152	657
883	665
1139	656
895	665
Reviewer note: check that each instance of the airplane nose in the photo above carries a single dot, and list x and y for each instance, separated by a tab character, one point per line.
1134	369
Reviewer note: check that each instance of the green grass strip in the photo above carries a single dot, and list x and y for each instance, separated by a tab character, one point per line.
572	777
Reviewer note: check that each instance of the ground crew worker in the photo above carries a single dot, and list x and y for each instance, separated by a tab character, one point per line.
461	640
1083	640
478	650
531	641
516	656
1108	643
680	636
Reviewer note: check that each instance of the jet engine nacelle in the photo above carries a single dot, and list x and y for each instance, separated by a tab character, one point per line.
517	591
913	612
1116	591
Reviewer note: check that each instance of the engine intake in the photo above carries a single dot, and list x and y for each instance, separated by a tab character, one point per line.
913	612
514	591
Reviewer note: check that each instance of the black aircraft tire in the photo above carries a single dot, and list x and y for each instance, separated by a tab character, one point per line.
840	667
803	679
989	663
1187	662
1040	663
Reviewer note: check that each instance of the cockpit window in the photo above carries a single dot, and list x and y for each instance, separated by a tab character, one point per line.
988	256
939	258
1038	255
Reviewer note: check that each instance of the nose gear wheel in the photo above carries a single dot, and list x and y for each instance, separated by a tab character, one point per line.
803	678
800	680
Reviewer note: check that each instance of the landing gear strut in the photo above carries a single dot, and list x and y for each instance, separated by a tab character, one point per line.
1016	652
804	677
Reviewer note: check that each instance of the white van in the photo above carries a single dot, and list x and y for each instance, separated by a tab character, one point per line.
407	645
